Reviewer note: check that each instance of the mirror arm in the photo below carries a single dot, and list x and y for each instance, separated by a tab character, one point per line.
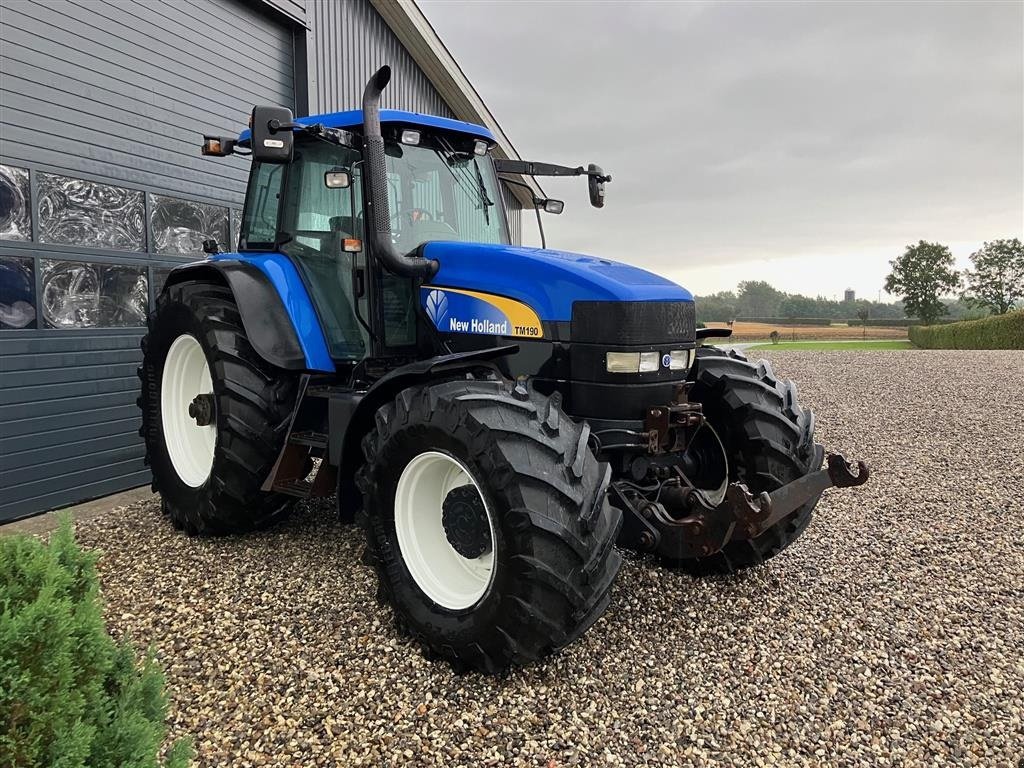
530	168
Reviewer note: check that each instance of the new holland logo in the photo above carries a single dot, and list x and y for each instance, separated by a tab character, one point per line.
456	310
436	307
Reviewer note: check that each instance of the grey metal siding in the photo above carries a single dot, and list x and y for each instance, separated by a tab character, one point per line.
69	419
514	210
120	93
293	9
347	42
124	90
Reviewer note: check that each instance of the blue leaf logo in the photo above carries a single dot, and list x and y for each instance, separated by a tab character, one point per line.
437	306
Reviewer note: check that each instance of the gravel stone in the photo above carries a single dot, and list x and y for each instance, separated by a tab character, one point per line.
890	634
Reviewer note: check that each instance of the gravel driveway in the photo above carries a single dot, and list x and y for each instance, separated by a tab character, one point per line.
892	633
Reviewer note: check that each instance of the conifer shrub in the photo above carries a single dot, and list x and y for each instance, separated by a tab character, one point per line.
70	695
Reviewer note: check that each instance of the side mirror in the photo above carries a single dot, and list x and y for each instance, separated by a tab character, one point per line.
337	178
595	182
552	206
272	138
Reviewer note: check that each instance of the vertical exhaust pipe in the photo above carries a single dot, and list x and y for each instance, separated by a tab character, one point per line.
378	217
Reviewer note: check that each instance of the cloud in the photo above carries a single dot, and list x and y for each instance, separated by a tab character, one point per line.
760	132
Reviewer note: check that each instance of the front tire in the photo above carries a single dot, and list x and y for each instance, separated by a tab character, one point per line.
503	481
768	440
209	474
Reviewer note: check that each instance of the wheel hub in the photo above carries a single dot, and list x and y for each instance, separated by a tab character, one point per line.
201	409
464	519
706	465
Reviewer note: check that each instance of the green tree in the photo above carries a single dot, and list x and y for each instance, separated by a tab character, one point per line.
796	305
997	281
756	298
922	275
717	308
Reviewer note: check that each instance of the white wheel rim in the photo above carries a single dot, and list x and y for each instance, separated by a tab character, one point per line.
445	576
190	446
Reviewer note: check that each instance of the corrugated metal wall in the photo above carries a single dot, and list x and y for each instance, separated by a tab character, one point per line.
295	9
515	214
349	41
102	107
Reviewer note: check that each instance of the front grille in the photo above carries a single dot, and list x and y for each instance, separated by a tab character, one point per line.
633	322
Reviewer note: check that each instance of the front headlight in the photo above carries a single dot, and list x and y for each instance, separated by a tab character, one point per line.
622	362
649	361
632	362
681	359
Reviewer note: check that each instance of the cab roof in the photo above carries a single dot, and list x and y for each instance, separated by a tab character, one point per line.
353	118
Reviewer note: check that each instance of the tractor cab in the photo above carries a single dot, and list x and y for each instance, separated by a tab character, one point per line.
440	185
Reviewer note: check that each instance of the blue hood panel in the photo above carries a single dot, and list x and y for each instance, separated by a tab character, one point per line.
548	281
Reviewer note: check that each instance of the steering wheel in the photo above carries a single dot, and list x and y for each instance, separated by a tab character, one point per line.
414	215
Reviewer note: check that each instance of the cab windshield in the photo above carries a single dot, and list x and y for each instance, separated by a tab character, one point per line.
438	193
434	193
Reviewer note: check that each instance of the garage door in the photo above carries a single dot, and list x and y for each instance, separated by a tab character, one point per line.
102	190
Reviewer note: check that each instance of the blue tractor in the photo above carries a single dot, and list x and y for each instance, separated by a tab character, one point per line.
500	419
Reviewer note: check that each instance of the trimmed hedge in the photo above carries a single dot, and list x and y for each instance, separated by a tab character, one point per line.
69	695
896	322
997	332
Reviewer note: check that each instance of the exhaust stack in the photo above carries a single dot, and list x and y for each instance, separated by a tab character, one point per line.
378	216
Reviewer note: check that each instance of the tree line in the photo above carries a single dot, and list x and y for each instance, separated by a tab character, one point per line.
757	298
923	276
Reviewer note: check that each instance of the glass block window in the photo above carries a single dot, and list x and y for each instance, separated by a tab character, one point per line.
236	229
15	213
159	278
17	294
181	226
88	214
80	294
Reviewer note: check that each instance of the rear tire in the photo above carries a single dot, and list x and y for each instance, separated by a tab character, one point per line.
768	440
210	484
552	558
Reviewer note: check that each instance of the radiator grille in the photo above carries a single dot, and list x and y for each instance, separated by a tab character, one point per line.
633	322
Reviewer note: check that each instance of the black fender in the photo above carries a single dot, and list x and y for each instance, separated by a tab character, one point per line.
351	416
264	317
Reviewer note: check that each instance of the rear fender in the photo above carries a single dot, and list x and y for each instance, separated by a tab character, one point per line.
276	311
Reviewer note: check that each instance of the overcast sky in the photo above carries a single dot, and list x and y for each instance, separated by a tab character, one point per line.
805	144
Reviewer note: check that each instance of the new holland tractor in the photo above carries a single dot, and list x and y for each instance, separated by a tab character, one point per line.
500	419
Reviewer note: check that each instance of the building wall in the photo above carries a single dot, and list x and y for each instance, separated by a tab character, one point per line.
347	43
103	190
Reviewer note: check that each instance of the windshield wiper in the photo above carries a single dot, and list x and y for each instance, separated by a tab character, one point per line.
453	160
484	197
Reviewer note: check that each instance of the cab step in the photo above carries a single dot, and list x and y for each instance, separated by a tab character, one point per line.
309	438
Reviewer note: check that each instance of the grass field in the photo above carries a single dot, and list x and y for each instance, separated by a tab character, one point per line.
812	346
742	331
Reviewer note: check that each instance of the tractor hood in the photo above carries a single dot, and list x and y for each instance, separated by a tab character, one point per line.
546	281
